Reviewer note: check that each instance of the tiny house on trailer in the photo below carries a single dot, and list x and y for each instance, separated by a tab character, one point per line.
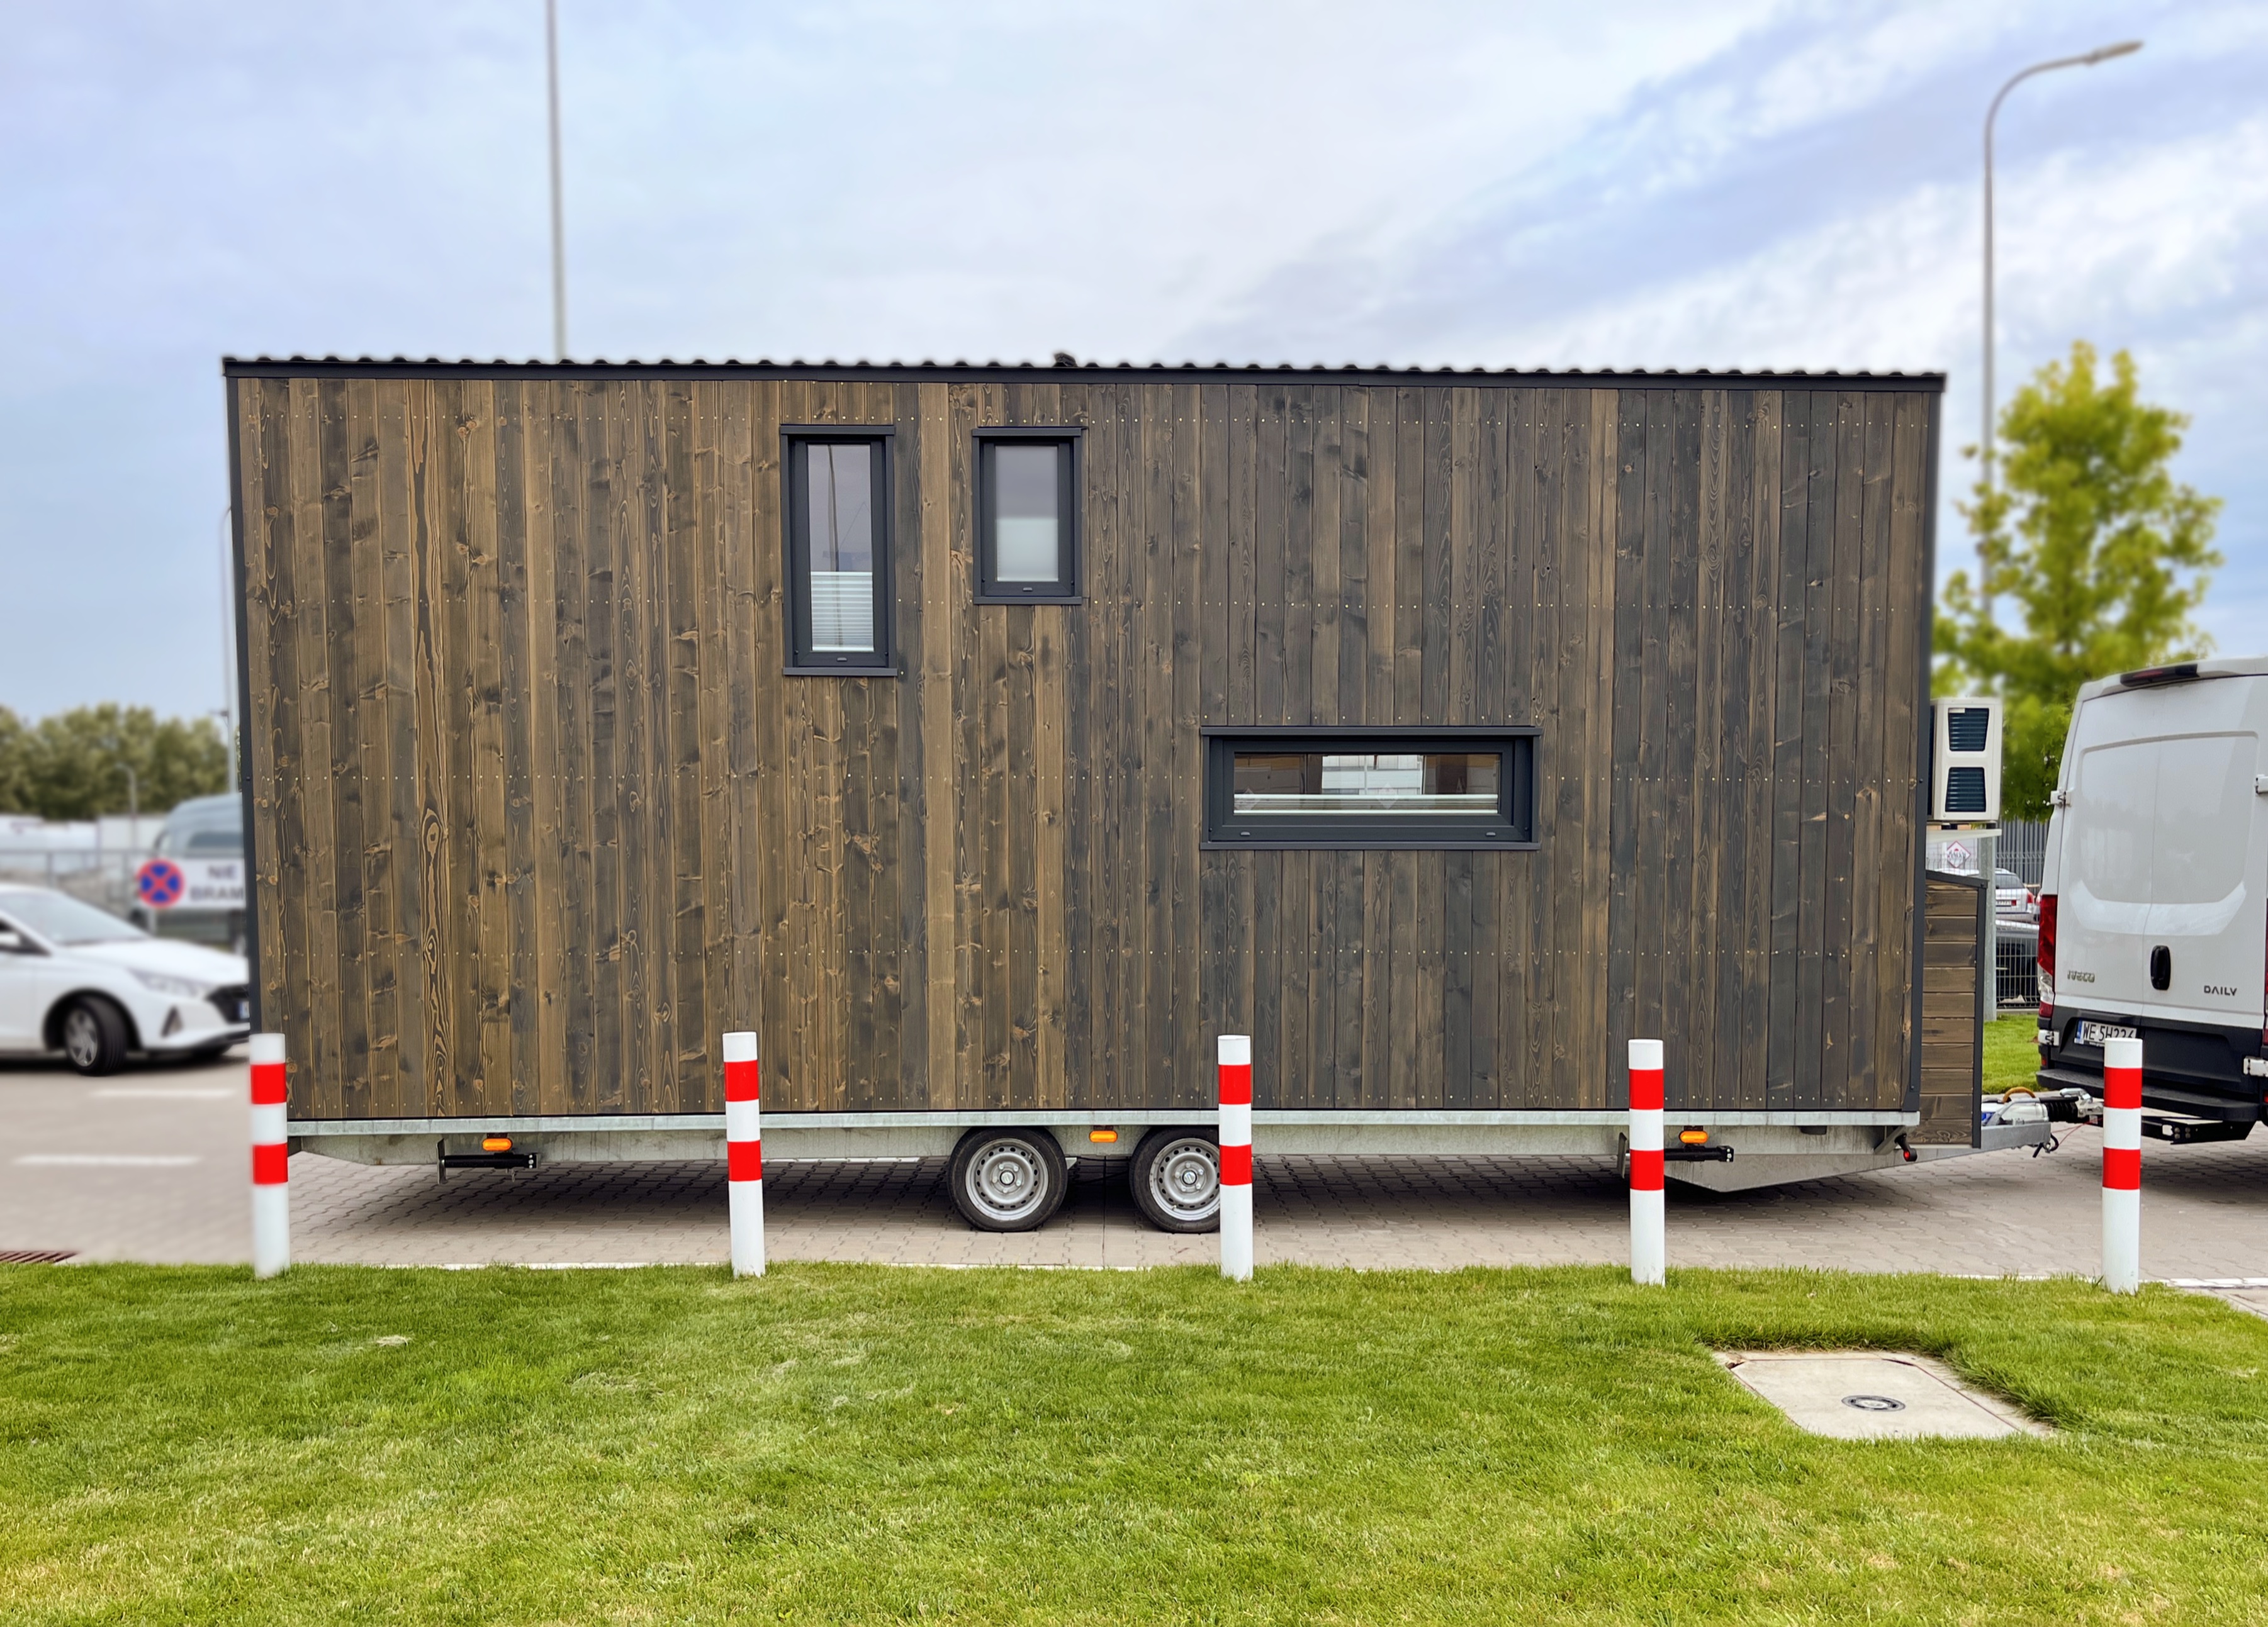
989	739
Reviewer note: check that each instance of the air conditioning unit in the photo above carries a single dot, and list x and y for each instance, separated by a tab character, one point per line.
1965	761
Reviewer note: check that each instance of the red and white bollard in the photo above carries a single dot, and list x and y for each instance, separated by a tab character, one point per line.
1236	1157
2122	1164
271	1159
743	1154
1649	1245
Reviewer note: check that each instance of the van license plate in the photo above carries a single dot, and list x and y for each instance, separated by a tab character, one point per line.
2095	1033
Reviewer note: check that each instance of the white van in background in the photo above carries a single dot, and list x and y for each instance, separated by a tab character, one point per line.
2153	908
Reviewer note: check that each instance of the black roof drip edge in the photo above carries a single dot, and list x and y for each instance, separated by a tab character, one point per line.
1083	373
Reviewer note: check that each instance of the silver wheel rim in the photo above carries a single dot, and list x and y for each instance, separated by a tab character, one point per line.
82	1038
1185	1178
1006	1180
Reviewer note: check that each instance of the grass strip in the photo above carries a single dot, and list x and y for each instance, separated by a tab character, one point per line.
864	1444
2012	1052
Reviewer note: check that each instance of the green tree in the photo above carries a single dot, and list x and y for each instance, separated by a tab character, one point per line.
15	794
73	765
2091	540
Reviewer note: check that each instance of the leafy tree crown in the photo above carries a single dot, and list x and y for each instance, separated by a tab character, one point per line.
2102	554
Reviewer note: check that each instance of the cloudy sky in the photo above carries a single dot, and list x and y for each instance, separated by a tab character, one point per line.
1753	183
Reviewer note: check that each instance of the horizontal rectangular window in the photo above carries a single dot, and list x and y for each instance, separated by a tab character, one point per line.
1337	788
838	553
1027	515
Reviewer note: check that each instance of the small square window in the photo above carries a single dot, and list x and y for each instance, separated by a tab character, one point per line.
1344	788
1027	516
838	552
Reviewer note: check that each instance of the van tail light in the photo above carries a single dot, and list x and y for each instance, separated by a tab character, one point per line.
2047	945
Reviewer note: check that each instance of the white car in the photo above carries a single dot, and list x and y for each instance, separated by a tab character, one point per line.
76	980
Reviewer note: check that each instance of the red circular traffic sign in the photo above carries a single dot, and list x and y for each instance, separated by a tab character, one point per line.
160	884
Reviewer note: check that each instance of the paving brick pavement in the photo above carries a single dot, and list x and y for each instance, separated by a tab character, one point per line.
2206	1208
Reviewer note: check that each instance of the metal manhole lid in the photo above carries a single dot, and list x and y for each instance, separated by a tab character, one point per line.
1874	1404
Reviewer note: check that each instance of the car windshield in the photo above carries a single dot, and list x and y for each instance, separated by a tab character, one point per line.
62	919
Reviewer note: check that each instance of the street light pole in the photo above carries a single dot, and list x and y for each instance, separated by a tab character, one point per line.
1984	436
558	208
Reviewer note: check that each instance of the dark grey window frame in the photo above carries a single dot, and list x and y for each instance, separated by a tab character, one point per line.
802	660
1515	830
990	590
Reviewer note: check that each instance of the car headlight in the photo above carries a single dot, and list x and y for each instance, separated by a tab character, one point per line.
163	985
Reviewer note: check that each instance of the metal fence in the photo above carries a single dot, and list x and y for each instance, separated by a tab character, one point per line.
2017	984
2023	847
103	877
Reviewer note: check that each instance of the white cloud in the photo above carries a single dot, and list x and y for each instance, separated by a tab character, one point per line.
1767	182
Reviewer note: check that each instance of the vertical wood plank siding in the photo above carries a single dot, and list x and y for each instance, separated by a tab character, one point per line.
536	815
1952	1012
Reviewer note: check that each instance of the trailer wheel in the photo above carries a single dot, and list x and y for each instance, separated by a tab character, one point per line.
1007	1179
1176	1179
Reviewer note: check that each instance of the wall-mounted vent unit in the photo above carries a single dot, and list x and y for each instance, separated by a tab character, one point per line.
1965	766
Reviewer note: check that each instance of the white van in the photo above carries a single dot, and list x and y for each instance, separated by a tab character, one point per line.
2153	908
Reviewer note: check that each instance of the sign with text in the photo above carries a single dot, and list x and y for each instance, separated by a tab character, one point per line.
192	884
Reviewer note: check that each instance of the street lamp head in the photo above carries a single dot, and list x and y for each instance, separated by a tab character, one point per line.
2104	53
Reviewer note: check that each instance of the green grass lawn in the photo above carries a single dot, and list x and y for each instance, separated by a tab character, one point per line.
2012	1052
870	1444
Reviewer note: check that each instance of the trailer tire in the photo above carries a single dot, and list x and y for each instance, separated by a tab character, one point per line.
1175	1177
1008	1180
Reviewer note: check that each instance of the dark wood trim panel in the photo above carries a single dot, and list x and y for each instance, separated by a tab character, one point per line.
1956	993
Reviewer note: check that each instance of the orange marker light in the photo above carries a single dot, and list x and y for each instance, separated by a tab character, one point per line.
1103	1135
1694	1137
495	1144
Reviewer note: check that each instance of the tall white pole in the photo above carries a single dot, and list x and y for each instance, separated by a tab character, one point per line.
1984	431
558	204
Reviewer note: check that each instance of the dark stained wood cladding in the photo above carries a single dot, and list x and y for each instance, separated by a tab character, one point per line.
536	815
1952	1011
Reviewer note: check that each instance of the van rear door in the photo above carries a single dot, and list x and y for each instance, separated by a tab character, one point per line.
2162	855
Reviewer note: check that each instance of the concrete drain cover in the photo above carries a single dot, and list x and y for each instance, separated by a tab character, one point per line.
1876	1395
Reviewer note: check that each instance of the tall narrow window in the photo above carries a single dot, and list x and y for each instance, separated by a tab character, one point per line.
1027	515
838	553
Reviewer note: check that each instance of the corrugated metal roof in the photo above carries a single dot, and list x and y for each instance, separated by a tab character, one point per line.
1067	368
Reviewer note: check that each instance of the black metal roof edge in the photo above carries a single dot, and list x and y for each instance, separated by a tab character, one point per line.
1083	373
